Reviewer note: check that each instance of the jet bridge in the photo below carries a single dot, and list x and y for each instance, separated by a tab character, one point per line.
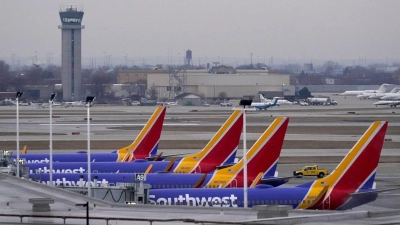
124	193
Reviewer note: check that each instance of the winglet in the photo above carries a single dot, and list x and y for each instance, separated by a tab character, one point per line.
356	172
257	180
24	150
146	142
220	148
200	182
168	168
148	170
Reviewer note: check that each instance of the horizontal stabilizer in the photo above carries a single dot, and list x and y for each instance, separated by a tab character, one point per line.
373	192
265	181
224	166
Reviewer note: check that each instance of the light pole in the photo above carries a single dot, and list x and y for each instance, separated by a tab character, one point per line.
18	95
52	96
89	100
244	103
283	90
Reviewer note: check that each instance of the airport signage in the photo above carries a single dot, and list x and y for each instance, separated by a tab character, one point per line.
71	20
140	177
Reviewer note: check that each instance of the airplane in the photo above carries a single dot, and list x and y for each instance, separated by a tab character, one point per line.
145	145
381	95
76	103
365	93
220	150
389	103
262	161
280	101
350	185
391	96
265	105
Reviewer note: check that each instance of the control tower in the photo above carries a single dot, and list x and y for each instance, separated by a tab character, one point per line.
71	79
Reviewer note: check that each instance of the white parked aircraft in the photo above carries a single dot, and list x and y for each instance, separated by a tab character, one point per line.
391	96
380	95
365	93
280	101
390	103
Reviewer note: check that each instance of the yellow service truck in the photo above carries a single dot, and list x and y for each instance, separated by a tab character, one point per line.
311	171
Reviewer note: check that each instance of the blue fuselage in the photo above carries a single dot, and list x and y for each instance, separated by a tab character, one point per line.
68	157
137	166
156	180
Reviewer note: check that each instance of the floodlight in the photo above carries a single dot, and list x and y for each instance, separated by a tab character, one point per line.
245	102
90	99
19	94
52	96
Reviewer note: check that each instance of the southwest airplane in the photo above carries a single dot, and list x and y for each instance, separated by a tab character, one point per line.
262	161
265	105
365	93
348	186
220	149
145	145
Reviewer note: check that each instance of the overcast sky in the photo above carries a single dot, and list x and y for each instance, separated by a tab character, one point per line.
226	29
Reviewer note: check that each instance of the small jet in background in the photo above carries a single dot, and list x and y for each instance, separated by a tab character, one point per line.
365	93
281	101
265	105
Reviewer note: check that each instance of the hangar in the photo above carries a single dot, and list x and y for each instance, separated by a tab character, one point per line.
235	84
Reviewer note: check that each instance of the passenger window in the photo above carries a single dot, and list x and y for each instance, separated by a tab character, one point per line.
285	202
290	202
280	202
257	202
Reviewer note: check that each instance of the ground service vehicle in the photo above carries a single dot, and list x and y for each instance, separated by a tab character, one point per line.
311	171
225	104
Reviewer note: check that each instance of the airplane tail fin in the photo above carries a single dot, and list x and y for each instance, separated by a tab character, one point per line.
219	149
261	158
356	172
146	143
357	169
383	88
264	154
274	101
262	99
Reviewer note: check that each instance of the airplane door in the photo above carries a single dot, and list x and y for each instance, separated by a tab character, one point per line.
198	169
327	203
233	184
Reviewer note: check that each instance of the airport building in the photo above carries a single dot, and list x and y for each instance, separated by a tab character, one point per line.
236	84
71	19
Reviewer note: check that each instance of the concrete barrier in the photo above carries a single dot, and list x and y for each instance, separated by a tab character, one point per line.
269	211
41	204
